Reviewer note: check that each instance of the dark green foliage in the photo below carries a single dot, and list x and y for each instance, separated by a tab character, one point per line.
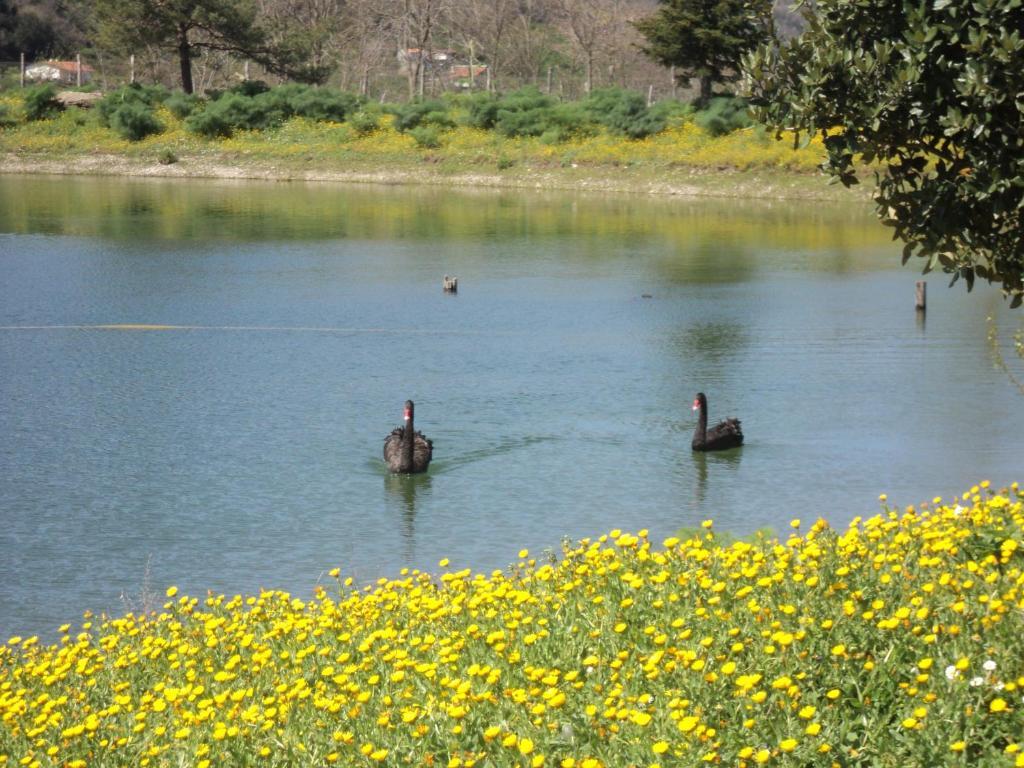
706	39
724	114
482	110
364	123
624	112
528	112
139	95
167	157
417	113
134	120
930	93
184	29
232	112
427	136
211	123
323	104
250	88
555	123
41	102
671	110
181	105
267	108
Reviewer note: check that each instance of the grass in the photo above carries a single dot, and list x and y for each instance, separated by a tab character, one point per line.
684	158
897	642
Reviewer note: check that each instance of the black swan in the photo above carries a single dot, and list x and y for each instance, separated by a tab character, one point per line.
725	434
406	450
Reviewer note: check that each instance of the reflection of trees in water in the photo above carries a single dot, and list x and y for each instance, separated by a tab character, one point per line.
711	342
401	491
698	235
1014	367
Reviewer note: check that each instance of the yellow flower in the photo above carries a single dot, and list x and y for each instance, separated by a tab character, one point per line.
172	591
788	745
957	746
525	746
660	747
997	705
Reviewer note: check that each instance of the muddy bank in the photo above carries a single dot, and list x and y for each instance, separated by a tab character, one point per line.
695	182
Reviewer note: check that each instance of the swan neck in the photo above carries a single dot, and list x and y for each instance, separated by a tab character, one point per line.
700	434
408	442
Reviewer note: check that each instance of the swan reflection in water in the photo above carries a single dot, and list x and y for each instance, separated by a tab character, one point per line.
716	467
401	492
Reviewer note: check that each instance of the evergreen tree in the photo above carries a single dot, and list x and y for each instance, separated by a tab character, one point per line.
189	27
706	39
930	95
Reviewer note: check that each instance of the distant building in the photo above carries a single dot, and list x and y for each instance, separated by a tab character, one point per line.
443	64
64	72
461	77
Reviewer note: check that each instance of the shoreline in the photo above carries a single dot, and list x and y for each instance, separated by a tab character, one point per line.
688	182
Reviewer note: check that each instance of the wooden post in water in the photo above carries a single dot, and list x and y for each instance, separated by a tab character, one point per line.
921	296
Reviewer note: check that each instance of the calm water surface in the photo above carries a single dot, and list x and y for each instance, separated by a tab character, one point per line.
240	448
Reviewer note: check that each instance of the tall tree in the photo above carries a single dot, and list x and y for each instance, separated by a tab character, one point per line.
931	94
187	27
706	39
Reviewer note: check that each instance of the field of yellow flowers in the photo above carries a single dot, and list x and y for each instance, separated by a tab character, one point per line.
899	642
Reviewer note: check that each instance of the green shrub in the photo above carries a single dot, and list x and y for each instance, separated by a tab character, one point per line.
427	136
253	107
41	102
671	110
623	112
417	113
135	121
555	122
6	118
323	104
209	123
364	123
181	104
146	96
482	111
167	157
233	111
724	114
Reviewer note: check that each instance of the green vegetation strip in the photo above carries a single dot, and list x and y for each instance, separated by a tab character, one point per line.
610	142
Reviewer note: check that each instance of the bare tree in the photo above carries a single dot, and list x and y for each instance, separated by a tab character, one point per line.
483	26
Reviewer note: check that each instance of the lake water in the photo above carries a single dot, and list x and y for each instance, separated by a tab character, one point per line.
240	447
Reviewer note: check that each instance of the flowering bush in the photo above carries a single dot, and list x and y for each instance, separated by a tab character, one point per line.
898	642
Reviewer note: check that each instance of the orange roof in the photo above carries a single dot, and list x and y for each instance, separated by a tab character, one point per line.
69	66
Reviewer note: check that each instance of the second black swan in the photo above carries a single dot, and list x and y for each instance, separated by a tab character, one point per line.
406	450
724	435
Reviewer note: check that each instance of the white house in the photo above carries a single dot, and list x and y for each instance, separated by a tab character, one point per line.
64	72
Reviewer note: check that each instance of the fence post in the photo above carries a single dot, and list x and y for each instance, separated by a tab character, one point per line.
131	60
78	70
23	70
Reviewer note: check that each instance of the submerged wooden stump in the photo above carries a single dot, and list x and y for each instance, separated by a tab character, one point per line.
450	284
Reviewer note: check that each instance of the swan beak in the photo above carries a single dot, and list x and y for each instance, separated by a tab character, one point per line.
696	406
